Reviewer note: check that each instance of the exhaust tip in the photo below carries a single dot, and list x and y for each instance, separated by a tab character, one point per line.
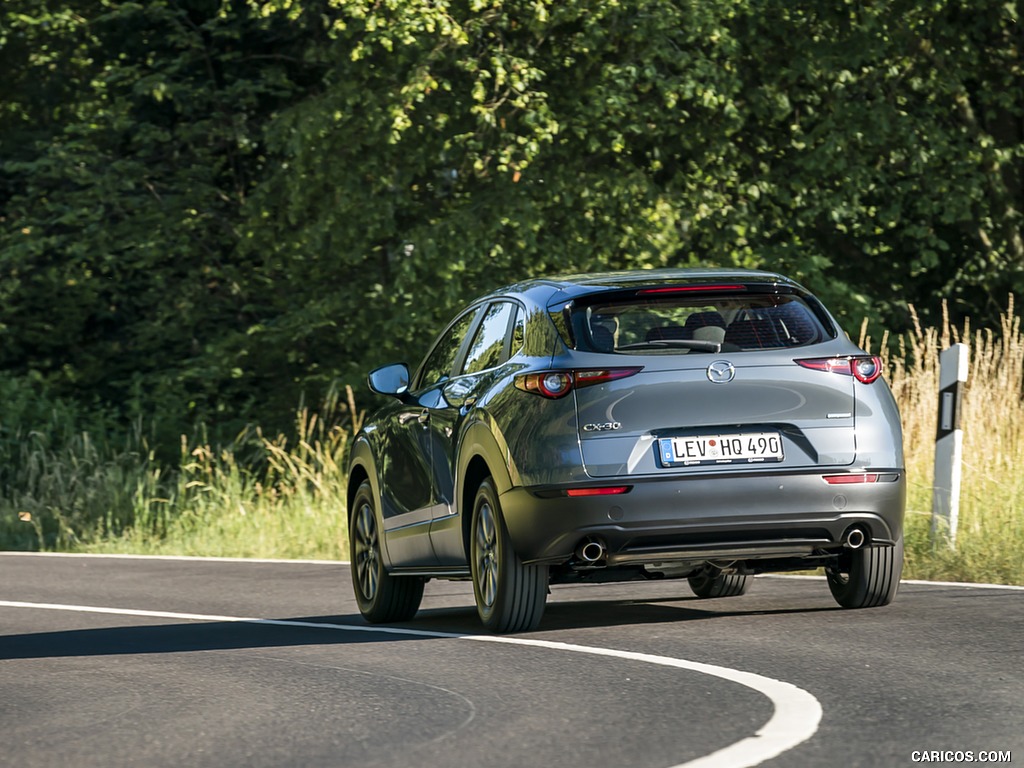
854	538
591	551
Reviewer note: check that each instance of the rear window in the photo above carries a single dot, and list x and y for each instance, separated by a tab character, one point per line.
683	324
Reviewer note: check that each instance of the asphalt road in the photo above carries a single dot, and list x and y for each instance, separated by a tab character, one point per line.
166	675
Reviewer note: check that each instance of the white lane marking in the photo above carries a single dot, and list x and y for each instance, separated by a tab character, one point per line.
795	718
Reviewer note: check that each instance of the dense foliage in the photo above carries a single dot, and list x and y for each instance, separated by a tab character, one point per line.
210	207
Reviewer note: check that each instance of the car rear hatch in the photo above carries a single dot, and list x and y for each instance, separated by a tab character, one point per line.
708	381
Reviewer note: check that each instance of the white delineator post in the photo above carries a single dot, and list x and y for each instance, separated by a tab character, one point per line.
949	442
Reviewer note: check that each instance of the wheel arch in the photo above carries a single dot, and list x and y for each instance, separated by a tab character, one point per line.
357	476
480	457
362	468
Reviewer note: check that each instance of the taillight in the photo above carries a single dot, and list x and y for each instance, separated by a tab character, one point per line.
589	377
865	368
555	384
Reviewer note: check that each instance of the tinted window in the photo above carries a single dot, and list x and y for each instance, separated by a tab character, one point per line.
438	365
518	332
487	349
696	323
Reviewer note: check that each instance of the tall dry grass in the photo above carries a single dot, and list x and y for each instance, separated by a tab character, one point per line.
989	543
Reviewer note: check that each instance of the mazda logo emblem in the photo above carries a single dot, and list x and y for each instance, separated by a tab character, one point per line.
721	371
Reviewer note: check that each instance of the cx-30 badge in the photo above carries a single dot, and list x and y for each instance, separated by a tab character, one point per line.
607	426
721	371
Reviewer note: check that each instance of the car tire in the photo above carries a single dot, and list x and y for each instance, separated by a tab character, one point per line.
381	597
706	585
510	595
867	577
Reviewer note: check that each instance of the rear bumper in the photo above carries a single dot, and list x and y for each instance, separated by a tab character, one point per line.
705	518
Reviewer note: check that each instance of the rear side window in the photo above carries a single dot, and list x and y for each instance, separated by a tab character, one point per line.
487	350
518	333
686	323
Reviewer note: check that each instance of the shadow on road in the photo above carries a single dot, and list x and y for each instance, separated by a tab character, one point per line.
340	629
595	614
186	637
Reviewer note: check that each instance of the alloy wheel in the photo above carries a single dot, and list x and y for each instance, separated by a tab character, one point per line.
366	555
487	554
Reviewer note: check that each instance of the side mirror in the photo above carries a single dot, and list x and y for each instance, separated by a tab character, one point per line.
390	380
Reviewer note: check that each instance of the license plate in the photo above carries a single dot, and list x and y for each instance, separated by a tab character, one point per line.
738	448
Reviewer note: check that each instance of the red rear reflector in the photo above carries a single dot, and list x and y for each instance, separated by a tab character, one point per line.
613	490
688	288
849	479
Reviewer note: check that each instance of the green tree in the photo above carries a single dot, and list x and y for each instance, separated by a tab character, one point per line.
455	146
131	140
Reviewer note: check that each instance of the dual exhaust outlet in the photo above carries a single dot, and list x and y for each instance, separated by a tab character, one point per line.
592	551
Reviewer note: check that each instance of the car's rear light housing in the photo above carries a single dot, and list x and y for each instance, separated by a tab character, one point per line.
610	490
550	384
556	384
864	368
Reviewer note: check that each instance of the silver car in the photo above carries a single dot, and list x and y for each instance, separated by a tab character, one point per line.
700	424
